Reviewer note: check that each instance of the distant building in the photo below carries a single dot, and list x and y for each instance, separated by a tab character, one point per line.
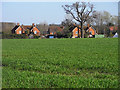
112	28
26	29
88	29
53	29
92	31
75	32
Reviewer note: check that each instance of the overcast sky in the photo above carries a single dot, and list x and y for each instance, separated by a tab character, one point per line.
49	12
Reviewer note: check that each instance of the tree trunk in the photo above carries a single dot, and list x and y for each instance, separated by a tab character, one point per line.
97	31
78	32
82	30
104	32
83	33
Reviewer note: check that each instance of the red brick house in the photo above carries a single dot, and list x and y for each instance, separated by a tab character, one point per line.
89	29
17	29
26	29
75	32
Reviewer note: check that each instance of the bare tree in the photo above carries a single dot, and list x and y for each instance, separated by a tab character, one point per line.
68	21
80	13
114	20
68	26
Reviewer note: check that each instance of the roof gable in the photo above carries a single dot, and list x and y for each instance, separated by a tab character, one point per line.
15	28
75	29
18	28
35	28
27	27
92	28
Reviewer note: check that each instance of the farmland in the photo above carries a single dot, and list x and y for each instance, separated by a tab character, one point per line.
60	63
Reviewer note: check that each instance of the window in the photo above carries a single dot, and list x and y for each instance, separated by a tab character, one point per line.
20	32
90	32
76	32
35	32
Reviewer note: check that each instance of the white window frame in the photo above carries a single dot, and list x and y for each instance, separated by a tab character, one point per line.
76	32
35	32
20	32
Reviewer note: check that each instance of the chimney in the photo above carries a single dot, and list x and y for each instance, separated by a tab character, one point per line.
33	24
18	24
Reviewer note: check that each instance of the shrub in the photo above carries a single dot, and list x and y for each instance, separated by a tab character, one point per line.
14	36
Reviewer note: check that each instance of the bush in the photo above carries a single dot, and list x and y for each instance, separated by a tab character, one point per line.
59	35
14	36
36	37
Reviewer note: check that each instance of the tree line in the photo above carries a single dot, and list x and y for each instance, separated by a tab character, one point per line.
78	14
83	13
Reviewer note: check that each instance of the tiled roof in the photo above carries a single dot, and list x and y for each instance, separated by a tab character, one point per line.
37	28
13	30
55	28
84	27
27	27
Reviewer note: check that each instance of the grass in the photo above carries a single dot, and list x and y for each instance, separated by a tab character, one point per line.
60	63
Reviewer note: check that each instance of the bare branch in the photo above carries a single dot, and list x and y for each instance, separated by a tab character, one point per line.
69	11
79	11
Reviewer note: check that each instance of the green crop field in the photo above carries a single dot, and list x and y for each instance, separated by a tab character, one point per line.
60	63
